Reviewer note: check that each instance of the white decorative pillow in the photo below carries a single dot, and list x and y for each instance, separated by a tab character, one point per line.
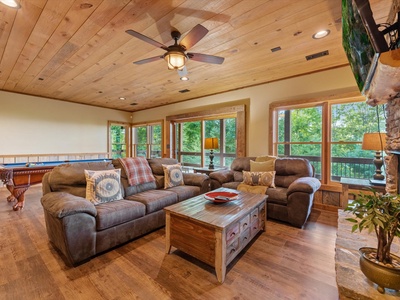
173	175
103	186
259	178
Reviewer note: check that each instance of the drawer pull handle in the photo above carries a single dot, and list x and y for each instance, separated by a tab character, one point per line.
245	224
232	250
233	234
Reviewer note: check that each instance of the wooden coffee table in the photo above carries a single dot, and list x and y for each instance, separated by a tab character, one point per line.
215	233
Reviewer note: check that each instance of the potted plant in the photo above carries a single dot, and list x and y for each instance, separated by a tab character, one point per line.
379	213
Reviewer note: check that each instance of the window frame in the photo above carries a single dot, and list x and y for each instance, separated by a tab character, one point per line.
237	112
326	140
149	139
127	136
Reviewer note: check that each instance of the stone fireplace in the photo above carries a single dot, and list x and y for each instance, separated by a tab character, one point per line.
392	145
385	89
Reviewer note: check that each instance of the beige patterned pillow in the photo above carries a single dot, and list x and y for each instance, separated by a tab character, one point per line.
259	178
173	175
103	186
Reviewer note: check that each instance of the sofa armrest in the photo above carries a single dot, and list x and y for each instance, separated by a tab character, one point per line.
304	184
61	204
222	176
194	179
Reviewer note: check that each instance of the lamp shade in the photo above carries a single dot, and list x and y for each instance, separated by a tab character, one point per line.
211	143
374	141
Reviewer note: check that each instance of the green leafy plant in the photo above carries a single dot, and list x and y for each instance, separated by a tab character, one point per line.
380	213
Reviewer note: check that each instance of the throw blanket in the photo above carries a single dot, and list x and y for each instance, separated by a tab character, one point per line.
255	189
137	170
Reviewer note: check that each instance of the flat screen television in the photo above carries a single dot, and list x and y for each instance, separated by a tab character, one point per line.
362	40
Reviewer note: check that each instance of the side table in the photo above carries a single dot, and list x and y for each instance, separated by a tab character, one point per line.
356	184
206	171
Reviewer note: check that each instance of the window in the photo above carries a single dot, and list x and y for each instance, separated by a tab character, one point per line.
118	139
147	140
190	147
189	131
300	134
329	134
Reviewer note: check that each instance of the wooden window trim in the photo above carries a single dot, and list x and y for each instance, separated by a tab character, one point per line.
237	111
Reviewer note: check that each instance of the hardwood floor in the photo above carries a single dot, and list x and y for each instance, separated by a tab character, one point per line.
281	263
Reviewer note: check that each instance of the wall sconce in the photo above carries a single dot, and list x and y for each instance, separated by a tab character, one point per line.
211	144
375	141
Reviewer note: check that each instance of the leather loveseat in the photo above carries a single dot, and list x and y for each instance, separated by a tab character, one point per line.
292	197
79	229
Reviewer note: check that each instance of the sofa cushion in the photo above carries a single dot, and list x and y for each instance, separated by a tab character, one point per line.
70	178
114	213
137	170
241	163
262	166
155	200
185	191
156	164
172	175
289	169
103	186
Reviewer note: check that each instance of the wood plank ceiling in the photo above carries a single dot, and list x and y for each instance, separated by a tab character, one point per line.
78	51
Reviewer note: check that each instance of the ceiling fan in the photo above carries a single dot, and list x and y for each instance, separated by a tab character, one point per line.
176	55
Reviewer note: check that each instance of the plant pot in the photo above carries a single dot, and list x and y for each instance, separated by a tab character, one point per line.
385	276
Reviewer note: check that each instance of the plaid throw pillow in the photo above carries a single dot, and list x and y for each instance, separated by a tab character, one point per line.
137	169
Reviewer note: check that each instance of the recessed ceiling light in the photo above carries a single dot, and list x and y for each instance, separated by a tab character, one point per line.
11	3
184	78
321	34
122	98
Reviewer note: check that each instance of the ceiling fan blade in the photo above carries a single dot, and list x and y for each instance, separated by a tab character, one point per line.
211	59
146	39
147	60
183	72
194	36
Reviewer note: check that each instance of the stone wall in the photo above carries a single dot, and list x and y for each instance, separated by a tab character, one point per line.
392	144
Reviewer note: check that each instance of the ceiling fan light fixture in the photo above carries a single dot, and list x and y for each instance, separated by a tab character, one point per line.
176	60
11	3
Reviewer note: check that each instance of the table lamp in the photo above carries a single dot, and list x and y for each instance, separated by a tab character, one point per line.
375	141
211	144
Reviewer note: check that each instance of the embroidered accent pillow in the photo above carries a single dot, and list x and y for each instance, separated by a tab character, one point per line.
103	186
259	178
137	170
173	175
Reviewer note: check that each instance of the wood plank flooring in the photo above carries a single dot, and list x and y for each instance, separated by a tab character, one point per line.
281	263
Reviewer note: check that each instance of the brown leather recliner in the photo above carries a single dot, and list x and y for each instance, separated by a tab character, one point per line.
292	198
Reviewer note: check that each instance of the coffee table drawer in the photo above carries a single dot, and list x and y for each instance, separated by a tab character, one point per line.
232	232
232	250
244	223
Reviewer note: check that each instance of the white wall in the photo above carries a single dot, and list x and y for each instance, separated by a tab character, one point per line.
34	125
322	84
